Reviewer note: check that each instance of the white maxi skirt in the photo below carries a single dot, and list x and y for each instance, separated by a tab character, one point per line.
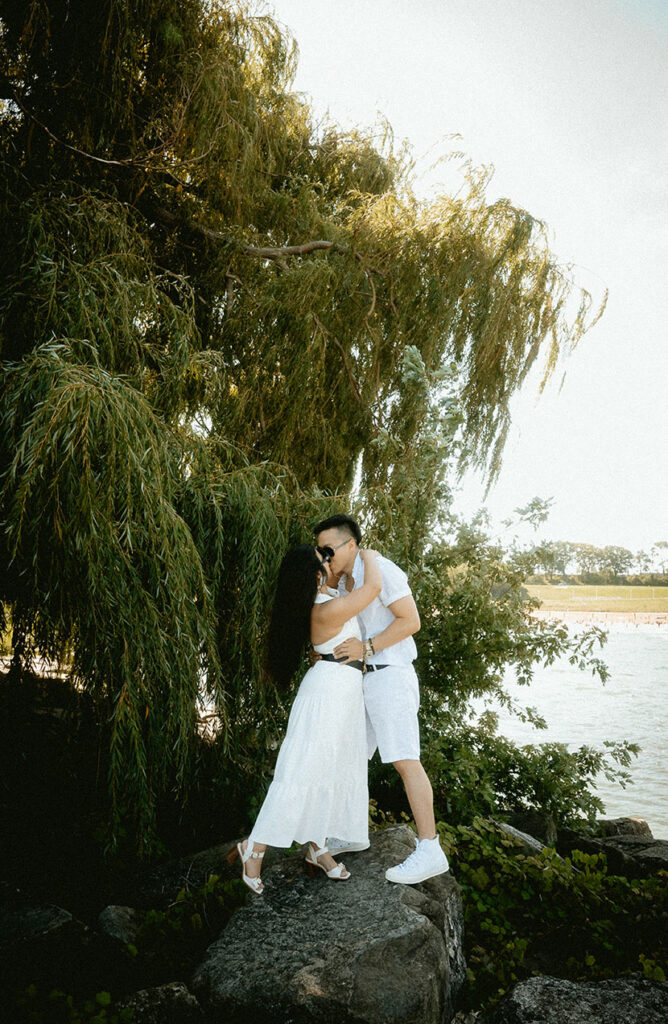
320	784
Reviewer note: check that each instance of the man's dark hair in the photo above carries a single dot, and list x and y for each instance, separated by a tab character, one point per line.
340	522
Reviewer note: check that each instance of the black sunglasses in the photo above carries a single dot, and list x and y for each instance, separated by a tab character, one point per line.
328	553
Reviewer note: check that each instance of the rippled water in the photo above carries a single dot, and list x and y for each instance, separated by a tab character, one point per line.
632	705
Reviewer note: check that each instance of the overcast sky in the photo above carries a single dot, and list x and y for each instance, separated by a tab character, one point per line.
568	100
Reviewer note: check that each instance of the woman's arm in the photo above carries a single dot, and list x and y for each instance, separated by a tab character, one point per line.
328	617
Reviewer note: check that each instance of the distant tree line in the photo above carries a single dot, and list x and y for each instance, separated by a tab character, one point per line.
612	562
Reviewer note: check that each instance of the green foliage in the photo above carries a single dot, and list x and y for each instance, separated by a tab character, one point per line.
185	390
474	772
89	467
56	1007
476	623
170	943
594	565
475	626
540	914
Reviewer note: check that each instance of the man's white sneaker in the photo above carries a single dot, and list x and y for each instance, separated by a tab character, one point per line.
337	846
426	861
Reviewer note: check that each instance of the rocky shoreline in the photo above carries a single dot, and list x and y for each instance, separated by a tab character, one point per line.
314	952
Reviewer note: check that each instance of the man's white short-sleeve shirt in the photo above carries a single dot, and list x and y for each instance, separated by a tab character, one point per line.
377	616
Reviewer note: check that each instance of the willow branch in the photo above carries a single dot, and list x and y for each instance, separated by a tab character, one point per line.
136	162
66	145
373	297
278	252
269	252
341	349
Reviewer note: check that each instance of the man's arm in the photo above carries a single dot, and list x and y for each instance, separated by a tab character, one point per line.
406	622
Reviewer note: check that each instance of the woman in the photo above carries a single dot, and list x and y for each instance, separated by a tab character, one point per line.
320	779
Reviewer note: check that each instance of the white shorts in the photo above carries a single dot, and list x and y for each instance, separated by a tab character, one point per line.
392	699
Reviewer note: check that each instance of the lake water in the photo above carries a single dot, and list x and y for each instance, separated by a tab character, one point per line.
632	705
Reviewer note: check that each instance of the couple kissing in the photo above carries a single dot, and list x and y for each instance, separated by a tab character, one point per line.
356	609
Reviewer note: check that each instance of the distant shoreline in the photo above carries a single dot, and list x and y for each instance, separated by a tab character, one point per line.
591	602
585	615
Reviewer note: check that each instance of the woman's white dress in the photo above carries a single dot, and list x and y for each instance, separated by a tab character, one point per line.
320	780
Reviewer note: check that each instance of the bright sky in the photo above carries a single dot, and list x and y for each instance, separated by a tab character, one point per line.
569	101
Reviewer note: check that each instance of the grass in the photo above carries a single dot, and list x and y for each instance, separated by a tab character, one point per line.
593	598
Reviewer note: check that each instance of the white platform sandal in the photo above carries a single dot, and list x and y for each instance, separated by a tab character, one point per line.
337	874
254	884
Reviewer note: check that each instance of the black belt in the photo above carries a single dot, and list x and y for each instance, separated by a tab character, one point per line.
375	668
359	665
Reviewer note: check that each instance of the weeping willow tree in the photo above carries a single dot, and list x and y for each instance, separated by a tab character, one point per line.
212	307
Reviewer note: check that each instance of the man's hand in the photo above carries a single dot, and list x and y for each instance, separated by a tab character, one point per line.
313	655
351	649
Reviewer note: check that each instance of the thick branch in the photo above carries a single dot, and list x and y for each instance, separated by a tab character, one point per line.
278	252
263	252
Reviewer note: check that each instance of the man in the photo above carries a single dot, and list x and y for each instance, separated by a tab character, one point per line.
391	692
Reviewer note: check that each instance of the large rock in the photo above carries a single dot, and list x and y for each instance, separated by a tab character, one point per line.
555	1001
634	856
535	823
41	944
529	843
46	945
648	854
165	1004
119	923
319	951
623	827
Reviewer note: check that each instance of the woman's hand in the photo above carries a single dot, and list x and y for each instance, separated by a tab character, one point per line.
368	553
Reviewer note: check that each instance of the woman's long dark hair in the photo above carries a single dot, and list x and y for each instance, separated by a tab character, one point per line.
298	580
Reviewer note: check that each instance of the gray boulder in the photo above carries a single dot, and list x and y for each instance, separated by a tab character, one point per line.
40	943
165	1004
319	951
649	855
555	1001
26	923
623	827
119	923
530	844
44	944
535	823
633	856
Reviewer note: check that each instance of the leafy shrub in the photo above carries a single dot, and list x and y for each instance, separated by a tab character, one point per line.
170	942
475	772
541	914
55	1007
